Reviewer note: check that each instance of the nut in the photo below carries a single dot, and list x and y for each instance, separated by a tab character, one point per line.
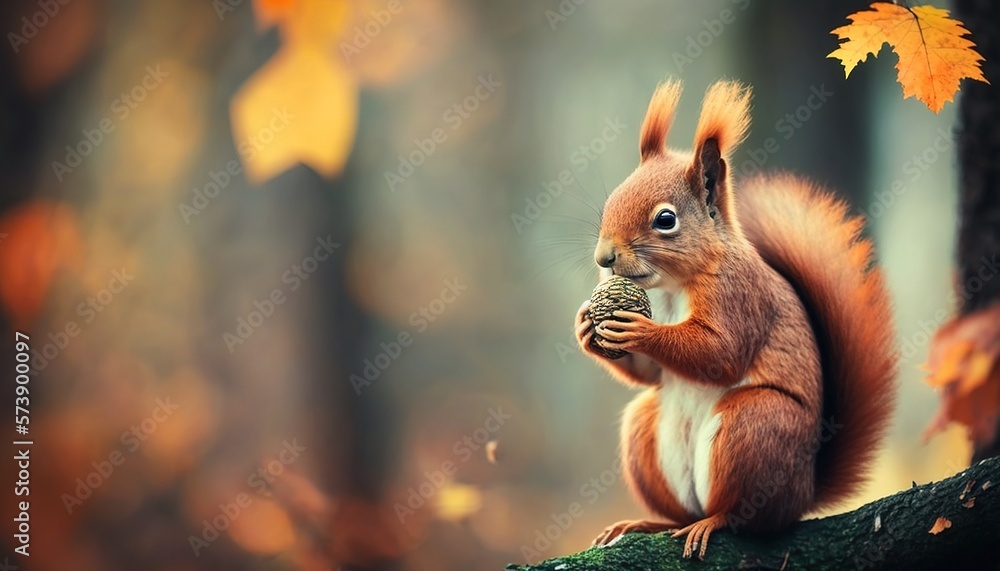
615	294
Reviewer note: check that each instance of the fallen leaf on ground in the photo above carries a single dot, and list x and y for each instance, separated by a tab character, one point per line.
941	524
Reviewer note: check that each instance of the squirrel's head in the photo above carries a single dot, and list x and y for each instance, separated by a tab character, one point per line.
670	219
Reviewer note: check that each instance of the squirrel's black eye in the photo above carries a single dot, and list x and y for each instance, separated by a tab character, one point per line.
665	220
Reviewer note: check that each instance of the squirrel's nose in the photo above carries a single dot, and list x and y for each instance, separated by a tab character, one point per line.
605	255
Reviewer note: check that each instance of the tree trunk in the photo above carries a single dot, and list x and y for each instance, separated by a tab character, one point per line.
890	533
979	163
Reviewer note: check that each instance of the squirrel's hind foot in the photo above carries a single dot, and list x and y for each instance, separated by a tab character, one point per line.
698	533
632	526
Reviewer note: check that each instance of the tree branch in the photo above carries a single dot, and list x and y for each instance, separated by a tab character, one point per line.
890	533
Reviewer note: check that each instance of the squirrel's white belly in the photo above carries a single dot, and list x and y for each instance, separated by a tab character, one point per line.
687	427
688	423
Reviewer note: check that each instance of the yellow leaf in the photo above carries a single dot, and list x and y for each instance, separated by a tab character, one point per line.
977	372
301	107
456	502
933	54
317	22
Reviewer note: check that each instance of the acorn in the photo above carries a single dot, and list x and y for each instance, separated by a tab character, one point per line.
615	294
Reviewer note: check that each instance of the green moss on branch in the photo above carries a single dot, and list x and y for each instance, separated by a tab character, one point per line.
890	533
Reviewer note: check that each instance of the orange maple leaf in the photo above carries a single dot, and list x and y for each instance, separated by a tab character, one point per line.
933	54
964	363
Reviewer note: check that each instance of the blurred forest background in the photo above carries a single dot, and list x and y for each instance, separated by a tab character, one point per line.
355	349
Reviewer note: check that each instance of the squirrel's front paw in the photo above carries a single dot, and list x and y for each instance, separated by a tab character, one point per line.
629	331
583	328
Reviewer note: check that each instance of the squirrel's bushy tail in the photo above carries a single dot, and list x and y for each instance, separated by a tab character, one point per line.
807	236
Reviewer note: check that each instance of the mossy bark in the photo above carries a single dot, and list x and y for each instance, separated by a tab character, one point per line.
979	170
890	533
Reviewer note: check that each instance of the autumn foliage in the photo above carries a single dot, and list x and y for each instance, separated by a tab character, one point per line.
36	240
327	54
965	365
934	54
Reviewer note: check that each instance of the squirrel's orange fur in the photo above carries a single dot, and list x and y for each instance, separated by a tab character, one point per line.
771	385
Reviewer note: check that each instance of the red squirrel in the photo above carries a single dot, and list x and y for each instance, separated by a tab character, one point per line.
779	323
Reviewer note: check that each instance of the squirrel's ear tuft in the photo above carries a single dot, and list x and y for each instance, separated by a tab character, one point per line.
725	117
659	116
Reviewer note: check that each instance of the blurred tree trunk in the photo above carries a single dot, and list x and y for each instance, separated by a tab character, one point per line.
979	163
847	115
